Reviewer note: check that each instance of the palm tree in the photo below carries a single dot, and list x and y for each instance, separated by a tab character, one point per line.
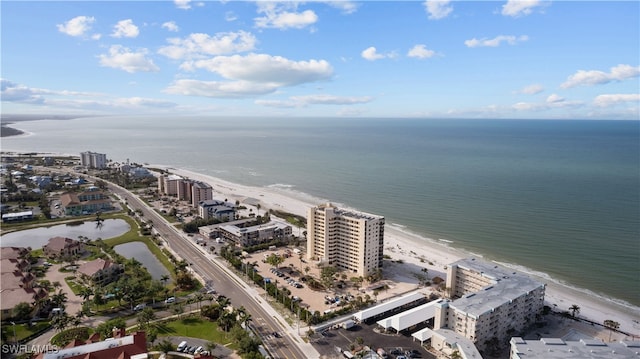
611	325
59	298
574	309
165	278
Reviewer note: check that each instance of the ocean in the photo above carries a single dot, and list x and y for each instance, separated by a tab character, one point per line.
559	198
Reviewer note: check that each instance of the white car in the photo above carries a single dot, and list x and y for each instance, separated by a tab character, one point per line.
170	300
139	307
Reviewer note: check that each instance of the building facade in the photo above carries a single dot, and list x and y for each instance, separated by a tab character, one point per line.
491	303
557	348
61	247
93	160
100	271
222	211
352	241
89	201
249	236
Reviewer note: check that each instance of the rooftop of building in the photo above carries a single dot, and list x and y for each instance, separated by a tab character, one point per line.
350	213
550	348
506	285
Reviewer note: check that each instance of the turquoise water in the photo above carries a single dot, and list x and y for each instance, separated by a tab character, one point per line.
556	197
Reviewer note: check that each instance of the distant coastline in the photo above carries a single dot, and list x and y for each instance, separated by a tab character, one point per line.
10	119
6	131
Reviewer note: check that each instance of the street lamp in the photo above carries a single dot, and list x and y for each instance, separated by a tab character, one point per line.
15	337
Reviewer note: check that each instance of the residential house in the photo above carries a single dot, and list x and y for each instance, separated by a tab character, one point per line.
61	247
100	271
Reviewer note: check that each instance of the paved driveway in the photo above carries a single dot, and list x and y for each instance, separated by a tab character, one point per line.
74	302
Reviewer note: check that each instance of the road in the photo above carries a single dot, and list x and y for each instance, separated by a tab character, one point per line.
265	320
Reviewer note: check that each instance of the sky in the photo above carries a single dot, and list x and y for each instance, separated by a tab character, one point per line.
524	59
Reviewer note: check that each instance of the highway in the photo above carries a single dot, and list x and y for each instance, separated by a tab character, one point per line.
265	320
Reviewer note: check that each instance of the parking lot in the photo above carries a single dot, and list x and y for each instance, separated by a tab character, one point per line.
394	345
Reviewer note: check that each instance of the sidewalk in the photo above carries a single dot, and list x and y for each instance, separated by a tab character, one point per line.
258	296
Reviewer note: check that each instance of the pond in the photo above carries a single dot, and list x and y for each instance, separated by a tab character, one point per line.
142	254
38	237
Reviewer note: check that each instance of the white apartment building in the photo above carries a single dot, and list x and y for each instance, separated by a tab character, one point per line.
93	159
200	191
492	302
556	348
188	190
168	184
249	236
352	241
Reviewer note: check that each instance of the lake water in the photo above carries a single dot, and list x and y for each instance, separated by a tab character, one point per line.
38	237
141	253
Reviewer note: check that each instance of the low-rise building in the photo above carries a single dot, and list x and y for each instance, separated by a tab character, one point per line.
220	210
551	348
16	283
61	247
90	201
121	346
17	216
249	236
100	271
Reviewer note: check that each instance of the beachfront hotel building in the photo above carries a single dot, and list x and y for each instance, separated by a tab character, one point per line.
348	240
188	190
93	159
491	304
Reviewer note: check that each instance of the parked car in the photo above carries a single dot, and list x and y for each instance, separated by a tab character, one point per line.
139	307
170	300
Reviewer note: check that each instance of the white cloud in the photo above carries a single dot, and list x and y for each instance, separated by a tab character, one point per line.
438	9
144	102
371	54
199	45
517	8
616	99
77	26
262	68
496	41
283	15
13	92
183	4
421	52
125	28
250	75
277	103
532	89
303	101
595	77
347	7
230	16
554	98
122	58
171	26
331	99
232	89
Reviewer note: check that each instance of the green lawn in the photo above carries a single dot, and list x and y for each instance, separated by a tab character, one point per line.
23	330
196	327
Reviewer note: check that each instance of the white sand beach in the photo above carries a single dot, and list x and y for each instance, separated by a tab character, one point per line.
414	251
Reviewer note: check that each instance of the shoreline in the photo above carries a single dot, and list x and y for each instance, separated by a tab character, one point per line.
402	244
411	247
